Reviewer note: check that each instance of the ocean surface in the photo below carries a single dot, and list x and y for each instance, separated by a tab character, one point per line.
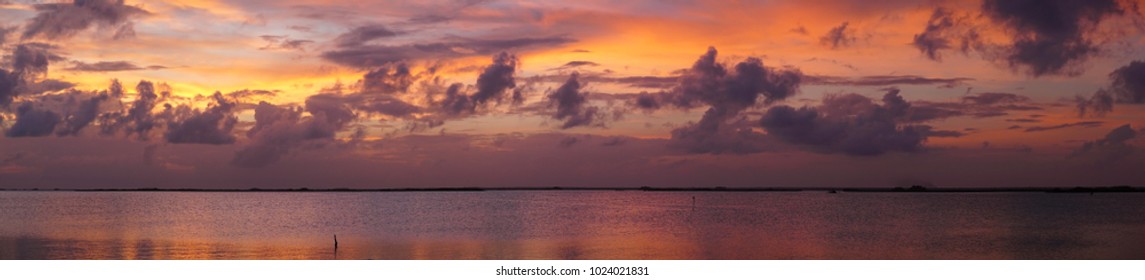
570	225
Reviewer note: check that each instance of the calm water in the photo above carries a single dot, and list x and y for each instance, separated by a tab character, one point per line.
571	225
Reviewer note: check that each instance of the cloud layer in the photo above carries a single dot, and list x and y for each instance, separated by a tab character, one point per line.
727	91
851	124
429	93
59	20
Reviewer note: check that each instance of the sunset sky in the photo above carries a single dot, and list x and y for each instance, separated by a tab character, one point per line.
374	94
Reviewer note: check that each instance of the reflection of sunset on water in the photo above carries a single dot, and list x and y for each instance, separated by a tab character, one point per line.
569	225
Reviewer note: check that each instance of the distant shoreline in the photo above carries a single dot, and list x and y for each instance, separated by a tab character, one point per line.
913	189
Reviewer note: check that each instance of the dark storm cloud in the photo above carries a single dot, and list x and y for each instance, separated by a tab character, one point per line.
570	102
369	56
364	34
728	92
493	86
137	119
496	79
59	20
31	60
978	105
1045	37
267	115
115	89
388	79
278	129
8	83
885	80
709	82
1129	83
847	104
1065	125
1050	36
931	41
385	105
109	66
76	110
456	102
837	37
79	113
647	101
567	98
210	126
1110	148
850	124
943	31
32	121
65	112
713	135
330	109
